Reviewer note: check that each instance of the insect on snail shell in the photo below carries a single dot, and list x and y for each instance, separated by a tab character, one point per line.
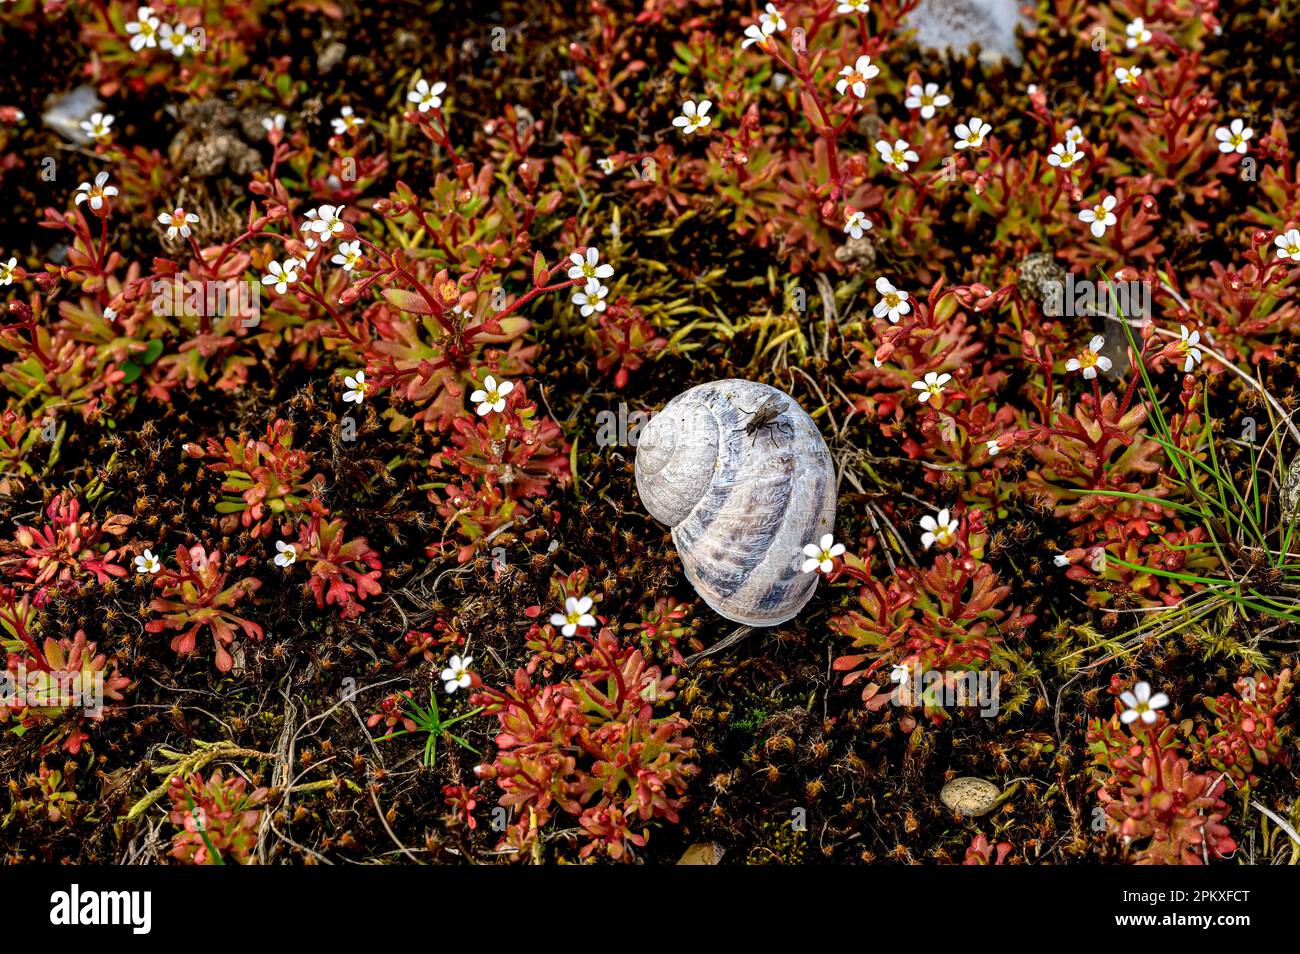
741	505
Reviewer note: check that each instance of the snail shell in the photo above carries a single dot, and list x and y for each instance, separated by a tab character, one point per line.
741	505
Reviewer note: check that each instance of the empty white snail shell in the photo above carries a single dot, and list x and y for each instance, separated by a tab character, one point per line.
742	496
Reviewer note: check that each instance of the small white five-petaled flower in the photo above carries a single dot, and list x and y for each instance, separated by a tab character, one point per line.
1288	245
1099	217
821	555
772	19
357	387
926	98
855	223
893	303
147	563
589	267
348	255
7	271
1127	75
592	298
1138	34
1141	704
577	612
98	126
1235	137
931	386
993	447
1064	155
855	77
1061	560
492	396
178	222
851	7
347	121
755	34
940	529
456	675
426	97
970	134
900	155
1090	359
97	193
1187	344
606	165
281	276
693	116
287	554
143	29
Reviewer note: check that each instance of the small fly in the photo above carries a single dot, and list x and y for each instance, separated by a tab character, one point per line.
767	415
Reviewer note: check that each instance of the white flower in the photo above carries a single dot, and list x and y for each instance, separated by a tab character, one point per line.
1141	704
492	397
357	387
348	255
1075	135
926	99
900	155
7	271
327	221
576	613
589	267
456	675
1127	75
1288	245
178	222
848	7
940	529
1188	346
1064	155
993	447
175	38
273	123
1090	359
347	121
98	126
893	303
1061	560
1100	217
755	34
855	223
1232	138
855	77
287	555
143	29
772	20
282	276
970	134
899	672
932	386
693	117
147	563
606	165
821	555
96	193
110	314
1138	34
426	97
592	297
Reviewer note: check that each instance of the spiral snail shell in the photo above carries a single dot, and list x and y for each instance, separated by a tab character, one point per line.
743	491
